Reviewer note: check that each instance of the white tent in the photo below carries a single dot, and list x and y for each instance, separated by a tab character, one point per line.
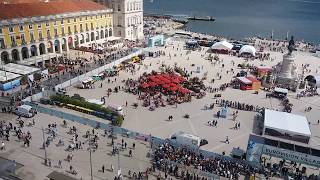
314	79
286	123
222	45
248	49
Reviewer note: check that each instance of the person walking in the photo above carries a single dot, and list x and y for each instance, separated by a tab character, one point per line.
103	168
60	164
227	140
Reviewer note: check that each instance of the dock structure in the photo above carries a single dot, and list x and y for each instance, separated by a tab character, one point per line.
207	18
181	19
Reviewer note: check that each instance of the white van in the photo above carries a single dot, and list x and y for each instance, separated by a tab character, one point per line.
115	108
186	139
25	111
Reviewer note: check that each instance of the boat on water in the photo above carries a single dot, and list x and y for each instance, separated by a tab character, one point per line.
195	18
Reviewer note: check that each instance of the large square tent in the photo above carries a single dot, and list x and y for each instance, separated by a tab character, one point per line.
287	126
19	69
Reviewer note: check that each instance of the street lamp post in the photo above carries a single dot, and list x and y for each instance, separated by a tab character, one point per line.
90	153
44	147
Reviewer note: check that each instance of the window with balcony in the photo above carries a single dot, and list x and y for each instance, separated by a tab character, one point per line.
39	25
91	26
87	29
30	26
62	31
13	41
119	7
75	28
75	20
21	27
48	34
55	33
10	29
68	20
2	45
0	30
40	36
69	30
81	28
61	21
80	18
32	37
86	17
23	40
47	23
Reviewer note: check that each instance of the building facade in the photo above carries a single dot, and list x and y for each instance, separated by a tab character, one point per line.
128	17
33	36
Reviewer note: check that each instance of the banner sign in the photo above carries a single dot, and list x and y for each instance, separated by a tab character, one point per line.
291	155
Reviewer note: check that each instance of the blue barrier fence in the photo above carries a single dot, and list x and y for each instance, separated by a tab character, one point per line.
129	134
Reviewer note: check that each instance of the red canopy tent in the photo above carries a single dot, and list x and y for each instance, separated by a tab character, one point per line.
145	85
174	88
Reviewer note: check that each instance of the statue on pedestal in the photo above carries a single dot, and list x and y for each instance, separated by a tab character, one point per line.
291	45
286	75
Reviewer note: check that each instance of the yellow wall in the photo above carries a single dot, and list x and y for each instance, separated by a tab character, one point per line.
105	21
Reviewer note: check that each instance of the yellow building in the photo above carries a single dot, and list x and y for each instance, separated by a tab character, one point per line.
34	32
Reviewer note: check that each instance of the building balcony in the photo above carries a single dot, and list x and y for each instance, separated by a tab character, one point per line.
56	36
41	39
13	44
62	34
70	33
32	40
49	37
23	42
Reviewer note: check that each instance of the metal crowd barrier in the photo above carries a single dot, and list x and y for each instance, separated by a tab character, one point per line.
129	134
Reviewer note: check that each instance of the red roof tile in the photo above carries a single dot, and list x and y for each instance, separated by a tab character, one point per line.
32	8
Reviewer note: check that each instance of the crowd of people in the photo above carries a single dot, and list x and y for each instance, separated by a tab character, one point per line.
165	155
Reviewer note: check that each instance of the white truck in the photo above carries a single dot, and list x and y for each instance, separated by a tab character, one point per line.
188	140
116	109
25	111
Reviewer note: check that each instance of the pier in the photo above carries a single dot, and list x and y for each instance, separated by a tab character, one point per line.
195	18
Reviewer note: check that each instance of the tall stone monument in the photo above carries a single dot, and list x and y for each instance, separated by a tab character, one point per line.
287	75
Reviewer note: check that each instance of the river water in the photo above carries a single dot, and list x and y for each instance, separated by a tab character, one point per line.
246	18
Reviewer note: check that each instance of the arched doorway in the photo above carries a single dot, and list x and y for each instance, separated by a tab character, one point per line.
97	35
57	46
101	34
76	41
64	44
15	55
34	50
5	57
106	33
50	47
82	39
42	48
87	37
92	36
110	32
25	53
70	43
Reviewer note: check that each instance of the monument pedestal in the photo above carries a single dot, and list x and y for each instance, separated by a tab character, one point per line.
287	75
